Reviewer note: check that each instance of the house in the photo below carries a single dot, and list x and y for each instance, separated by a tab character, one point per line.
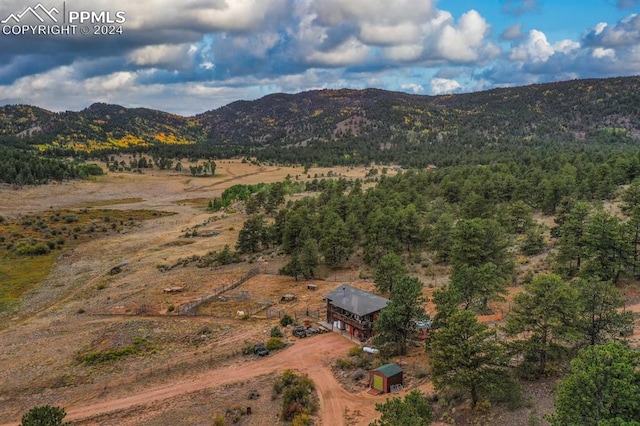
354	310
386	378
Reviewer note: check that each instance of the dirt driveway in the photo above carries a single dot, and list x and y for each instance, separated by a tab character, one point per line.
309	356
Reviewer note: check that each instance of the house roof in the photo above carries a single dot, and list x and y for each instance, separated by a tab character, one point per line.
389	370
354	300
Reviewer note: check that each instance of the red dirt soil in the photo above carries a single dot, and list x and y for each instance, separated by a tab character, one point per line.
310	356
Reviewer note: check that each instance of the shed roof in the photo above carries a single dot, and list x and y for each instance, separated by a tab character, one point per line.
389	370
354	300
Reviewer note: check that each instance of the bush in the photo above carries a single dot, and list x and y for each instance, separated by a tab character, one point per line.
274	343
297	398
275	331
363	362
286	320
219	420
355	351
343	363
421	372
302	419
32	249
45	416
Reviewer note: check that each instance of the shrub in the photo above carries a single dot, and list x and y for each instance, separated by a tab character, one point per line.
286	320
32	249
45	416
302	419
70	218
171	308
483	406
274	343
355	351
297	397
140	345
363	362
247	348
343	363
219	420
275	331
421	372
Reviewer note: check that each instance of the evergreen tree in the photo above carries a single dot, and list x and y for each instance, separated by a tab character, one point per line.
572	247
465	356
545	315
601	317
252	235
395	325
601	388
336	244
389	271
414	410
309	258
604	245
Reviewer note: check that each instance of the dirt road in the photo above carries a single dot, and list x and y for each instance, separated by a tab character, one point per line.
307	356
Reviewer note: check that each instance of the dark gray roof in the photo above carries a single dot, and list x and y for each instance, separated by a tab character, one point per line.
354	300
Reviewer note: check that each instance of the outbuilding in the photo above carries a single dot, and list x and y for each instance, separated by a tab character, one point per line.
386	378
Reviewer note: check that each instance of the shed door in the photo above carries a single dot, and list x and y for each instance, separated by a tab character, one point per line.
378	383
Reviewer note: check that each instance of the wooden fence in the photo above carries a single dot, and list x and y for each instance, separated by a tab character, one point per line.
191	308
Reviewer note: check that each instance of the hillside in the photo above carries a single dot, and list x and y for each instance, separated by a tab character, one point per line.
353	125
98	127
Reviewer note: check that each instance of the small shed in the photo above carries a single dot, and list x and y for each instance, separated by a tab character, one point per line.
288	297
386	378
424	327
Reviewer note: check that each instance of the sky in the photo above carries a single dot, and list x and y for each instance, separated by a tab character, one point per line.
190	56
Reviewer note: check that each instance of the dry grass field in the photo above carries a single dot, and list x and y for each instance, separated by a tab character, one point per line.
75	308
165	368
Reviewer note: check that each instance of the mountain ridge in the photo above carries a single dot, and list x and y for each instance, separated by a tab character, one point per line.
568	110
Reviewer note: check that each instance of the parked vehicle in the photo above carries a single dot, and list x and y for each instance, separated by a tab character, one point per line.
299	332
260	350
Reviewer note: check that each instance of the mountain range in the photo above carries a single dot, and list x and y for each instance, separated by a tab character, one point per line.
578	110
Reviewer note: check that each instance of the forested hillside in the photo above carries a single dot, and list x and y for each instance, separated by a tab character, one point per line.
357	126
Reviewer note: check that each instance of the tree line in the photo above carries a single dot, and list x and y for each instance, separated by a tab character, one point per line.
23	167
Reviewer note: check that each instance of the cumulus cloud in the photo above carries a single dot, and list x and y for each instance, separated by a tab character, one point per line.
167	56
216	51
351	52
536	48
600	52
461	43
624	33
412	87
440	86
396	30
